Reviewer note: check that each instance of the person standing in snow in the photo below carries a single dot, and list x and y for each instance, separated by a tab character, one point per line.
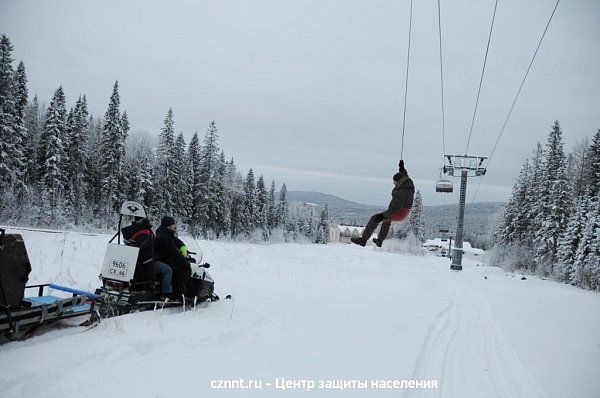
166	251
402	200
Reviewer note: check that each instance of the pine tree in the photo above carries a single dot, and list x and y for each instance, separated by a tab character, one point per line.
32	120
250	203
555	201
534	202
179	165
93	171
323	229
111	149
78	162
592	166
262	208
515	222
579	167
20	133
166	178
123	176
7	124
194	165
272	208
586	268
139	161
209	162
571	238
53	155
415	218
223	198
282	207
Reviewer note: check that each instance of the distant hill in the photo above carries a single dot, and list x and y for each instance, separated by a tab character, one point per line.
479	217
322	198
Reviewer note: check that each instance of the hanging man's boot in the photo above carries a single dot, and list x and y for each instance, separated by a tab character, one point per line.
377	242
359	241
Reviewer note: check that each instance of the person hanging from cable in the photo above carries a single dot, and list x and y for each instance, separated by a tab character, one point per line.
402	200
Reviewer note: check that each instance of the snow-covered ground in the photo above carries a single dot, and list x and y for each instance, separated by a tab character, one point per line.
315	312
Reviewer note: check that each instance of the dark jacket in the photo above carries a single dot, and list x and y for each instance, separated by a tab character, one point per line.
165	249
402	197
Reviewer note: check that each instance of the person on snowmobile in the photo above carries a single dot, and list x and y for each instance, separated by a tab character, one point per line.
139	234
167	251
402	200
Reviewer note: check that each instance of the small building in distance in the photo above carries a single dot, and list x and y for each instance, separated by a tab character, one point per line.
342	233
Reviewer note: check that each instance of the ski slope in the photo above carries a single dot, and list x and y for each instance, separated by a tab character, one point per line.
315	312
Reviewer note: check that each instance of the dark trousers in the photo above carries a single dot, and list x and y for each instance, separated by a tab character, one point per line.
181	277
166	276
372	224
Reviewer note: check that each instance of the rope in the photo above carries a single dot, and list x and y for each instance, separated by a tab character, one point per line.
406	84
481	78
517	95
442	82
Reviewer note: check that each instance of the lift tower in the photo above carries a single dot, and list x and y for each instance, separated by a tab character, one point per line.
467	166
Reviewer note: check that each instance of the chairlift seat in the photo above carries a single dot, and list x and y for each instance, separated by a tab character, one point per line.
445	186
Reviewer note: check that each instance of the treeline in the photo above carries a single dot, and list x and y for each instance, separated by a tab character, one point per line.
551	223
62	167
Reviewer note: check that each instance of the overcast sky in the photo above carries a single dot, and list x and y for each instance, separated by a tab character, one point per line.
311	92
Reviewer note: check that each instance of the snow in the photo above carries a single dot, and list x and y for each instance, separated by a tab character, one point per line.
468	250
315	312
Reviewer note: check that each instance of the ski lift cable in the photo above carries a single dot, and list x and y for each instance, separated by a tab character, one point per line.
481	78
442	82
517	95
406	83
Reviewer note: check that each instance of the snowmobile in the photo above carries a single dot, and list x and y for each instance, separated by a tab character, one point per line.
21	316
129	285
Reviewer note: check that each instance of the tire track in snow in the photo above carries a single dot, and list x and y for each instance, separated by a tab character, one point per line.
511	378
465	351
433	355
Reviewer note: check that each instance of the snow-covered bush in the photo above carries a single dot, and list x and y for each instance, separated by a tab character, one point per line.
511	257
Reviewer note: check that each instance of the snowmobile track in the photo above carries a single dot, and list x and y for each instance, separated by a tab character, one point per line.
451	354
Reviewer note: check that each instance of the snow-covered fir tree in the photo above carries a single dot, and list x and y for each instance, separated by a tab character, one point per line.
250	215
95	159
20	133
52	156
282	207
195	205
415	218
112	150
7	123
33	120
180	167
554	201
209	165
592	165
272	208
76	151
586	267
123	179
571	238
223	191
139	163
322	233
262	208
515	223
166	181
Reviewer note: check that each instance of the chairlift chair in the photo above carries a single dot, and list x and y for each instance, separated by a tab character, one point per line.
444	186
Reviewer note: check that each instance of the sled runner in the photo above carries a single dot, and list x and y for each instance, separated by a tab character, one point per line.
20	315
